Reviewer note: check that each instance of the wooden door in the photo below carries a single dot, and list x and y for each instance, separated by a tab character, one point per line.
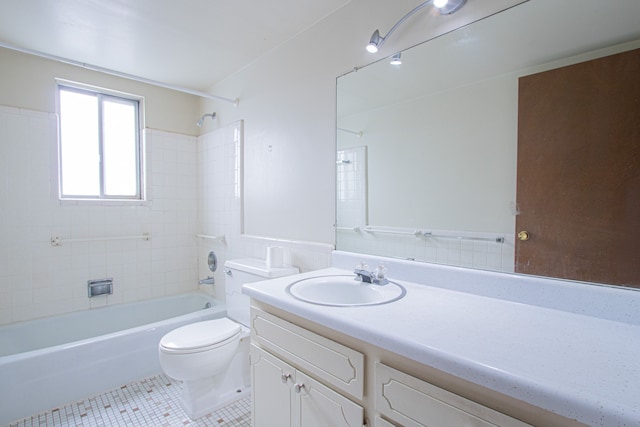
578	185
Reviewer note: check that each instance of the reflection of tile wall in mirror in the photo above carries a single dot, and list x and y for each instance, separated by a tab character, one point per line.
351	166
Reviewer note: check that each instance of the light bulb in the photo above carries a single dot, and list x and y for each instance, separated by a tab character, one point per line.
372	48
440	3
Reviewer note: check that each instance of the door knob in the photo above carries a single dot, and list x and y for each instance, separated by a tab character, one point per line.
524	235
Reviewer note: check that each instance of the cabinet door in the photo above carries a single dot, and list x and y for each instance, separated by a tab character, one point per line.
272	392
319	406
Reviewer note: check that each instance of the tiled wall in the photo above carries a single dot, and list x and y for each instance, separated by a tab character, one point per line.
189	185
38	279
480	254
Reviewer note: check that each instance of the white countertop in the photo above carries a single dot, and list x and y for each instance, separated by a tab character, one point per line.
581	367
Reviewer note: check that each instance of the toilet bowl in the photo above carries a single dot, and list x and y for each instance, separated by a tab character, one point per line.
187	353
199	355
211	358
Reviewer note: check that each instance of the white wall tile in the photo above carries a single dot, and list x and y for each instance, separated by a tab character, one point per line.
37	279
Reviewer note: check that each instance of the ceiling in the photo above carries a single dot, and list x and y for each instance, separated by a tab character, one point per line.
187	43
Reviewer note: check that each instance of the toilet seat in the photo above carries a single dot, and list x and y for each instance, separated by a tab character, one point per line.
200	336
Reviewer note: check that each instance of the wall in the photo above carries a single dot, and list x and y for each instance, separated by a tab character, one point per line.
287	100
220	187
39	279
29	82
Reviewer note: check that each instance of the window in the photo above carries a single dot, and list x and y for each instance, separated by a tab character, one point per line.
100	151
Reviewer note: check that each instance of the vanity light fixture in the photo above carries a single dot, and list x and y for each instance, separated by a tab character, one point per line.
396	59
444	7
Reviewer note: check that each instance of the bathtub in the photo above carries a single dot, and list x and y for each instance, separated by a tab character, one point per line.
45	363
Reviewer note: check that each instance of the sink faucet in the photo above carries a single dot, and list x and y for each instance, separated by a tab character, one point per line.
375	277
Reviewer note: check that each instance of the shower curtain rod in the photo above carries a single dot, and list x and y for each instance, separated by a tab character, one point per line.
201	94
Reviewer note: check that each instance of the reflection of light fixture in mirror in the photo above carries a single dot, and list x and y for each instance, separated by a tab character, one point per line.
396	59
445	7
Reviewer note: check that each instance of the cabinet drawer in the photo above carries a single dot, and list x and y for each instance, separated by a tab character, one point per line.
331	362
413	402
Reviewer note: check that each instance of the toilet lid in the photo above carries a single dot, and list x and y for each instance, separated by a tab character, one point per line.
200	334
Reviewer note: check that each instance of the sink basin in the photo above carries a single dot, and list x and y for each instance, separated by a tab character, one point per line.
344	291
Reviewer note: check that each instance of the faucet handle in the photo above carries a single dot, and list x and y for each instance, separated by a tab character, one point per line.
363	266
378	275
380	271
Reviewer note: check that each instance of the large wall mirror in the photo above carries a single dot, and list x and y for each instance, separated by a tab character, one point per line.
427	150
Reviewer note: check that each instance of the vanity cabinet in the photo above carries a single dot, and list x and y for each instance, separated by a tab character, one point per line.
412	402
301	378
285	396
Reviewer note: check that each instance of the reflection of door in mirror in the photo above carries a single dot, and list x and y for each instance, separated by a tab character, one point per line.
579	137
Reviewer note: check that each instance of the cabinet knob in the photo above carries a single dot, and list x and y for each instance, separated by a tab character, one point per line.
524	235
298	387
285	377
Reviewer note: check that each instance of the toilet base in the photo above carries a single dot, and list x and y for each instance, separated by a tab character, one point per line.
203	396
196	403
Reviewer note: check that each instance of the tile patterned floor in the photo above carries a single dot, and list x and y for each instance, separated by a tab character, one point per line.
149	402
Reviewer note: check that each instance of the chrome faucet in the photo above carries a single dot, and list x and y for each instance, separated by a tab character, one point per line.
208	281
375	277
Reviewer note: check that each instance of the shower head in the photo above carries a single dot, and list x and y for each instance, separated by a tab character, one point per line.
199	122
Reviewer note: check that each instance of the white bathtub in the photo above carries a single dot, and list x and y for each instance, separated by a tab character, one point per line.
45	363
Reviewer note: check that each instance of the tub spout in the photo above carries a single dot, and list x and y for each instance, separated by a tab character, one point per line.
208	281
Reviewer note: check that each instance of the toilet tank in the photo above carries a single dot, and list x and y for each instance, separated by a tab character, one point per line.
246	270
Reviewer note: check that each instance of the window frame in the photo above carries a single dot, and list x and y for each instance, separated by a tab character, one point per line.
103	95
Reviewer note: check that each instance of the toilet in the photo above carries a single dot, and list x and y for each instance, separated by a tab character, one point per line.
211	357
